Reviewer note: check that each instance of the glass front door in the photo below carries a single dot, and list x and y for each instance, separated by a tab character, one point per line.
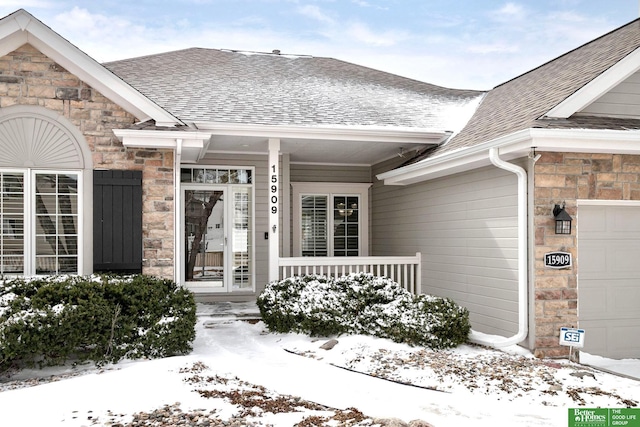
217	238
205	237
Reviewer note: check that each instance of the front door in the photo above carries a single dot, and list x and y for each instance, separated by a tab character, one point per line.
205	237
217	235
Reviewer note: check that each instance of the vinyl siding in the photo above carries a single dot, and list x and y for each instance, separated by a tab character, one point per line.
621	101
465	226
326	173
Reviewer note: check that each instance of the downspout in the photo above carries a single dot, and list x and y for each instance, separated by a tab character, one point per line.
177	203
520	336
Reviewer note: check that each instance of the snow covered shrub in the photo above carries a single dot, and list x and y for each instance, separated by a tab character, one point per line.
363	304
302	304
48	321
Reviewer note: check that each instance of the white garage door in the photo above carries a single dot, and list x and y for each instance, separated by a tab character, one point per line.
609	279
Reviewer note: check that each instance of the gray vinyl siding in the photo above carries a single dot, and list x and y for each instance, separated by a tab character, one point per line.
621	101
465	226
326	173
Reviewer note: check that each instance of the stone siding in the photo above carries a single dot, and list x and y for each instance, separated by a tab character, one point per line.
27	77
567	177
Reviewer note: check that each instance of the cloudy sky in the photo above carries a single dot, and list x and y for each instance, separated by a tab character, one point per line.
475	44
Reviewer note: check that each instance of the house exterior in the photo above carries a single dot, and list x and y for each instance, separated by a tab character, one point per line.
570	127
214	167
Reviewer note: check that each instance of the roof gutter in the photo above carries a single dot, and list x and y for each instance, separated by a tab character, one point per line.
456	161
521	335
514	145
334	133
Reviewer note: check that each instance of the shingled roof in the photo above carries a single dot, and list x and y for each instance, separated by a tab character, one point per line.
522	102
272	89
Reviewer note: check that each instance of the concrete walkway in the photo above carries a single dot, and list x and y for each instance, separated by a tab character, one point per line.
222	311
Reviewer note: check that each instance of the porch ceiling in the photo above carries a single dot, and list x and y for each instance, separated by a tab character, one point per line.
316	150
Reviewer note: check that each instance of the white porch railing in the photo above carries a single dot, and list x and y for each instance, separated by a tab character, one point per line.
405	270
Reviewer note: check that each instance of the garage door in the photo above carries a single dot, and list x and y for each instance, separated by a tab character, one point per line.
609	279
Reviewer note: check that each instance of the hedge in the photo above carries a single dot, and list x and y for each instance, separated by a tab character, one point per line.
102	318
362	304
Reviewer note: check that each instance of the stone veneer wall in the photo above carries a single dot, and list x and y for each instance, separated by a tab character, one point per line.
567	177
27	77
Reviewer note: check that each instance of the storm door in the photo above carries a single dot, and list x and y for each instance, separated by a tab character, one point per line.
217	229
204	236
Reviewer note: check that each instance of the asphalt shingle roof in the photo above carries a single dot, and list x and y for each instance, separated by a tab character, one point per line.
227	86
520	103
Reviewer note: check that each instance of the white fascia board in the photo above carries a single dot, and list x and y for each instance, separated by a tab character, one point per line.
22	27
193	145
597	87
453	162
11	39
161	139
517	145
585	141
333	133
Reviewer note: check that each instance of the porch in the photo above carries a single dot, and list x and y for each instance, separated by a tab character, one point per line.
404	270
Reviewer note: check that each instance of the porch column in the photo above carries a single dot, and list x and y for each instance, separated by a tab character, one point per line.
177	215
274	208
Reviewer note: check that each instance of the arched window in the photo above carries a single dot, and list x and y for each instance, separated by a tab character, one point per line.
41	192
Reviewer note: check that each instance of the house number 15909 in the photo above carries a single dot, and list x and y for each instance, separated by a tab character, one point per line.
557	260
274	191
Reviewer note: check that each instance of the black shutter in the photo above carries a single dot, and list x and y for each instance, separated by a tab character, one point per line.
117	221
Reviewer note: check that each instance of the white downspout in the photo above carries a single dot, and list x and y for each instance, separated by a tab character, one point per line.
520	336
177	203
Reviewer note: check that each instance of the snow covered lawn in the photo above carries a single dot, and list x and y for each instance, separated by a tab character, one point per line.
239	370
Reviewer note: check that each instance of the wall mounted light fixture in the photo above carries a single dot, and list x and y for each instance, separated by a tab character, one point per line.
563	219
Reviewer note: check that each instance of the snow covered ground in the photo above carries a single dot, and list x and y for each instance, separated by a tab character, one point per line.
467	386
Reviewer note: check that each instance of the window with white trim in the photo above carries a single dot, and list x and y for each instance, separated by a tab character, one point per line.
330	219
40	222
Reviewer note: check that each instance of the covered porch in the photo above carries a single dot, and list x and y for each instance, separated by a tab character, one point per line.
255	196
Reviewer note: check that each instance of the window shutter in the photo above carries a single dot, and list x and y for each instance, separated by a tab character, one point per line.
117	221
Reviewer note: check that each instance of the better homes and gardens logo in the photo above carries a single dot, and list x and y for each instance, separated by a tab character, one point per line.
604	417
588	417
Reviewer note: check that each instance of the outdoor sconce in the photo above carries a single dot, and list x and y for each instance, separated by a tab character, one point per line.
563	220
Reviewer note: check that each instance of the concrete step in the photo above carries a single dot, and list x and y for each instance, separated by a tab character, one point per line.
228	310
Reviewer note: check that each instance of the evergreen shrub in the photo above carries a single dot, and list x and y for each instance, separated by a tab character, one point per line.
48	321
362	304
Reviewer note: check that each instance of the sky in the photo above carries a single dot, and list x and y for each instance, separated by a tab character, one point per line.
465	44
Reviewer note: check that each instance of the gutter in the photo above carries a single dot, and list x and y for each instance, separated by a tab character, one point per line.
491	340
514	145
332	133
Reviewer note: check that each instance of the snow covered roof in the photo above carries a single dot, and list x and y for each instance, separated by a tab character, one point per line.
211	85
